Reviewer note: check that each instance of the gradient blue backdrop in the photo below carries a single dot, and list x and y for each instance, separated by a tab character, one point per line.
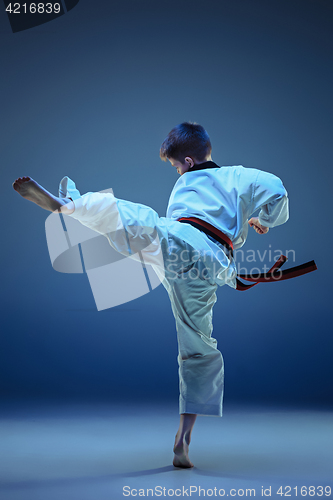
92	95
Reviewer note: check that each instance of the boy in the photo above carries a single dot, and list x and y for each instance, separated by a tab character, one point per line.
207	217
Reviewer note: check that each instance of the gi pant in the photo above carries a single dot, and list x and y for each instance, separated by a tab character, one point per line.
201	371
188	277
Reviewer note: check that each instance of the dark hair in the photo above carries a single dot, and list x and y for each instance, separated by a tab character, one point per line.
186	139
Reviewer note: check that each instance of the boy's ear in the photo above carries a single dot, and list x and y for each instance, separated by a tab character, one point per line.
190	161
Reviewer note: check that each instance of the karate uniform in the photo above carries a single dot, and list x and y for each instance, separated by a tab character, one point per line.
194	264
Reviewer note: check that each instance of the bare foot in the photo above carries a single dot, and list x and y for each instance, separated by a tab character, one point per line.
32	191
181	458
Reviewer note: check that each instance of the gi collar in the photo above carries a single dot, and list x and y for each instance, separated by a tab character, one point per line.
202	166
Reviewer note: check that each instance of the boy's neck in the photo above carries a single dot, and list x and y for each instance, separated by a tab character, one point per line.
201	162
204	165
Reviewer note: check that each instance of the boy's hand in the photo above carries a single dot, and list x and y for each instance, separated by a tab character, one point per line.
254	222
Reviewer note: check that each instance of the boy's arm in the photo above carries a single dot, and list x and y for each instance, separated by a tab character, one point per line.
270	196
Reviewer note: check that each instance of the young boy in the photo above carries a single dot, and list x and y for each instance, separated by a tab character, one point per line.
207	217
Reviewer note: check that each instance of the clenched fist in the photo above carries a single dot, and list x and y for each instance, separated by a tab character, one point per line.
254	222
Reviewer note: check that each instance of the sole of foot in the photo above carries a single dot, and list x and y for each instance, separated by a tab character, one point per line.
32	191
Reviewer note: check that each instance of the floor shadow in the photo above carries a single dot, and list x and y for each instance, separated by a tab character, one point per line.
83	479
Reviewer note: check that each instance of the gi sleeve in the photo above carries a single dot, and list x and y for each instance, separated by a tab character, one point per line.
271	197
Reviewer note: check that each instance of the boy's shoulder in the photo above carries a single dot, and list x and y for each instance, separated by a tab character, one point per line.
224	171
224	178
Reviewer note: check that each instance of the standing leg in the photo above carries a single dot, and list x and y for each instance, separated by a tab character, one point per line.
183	439
200	362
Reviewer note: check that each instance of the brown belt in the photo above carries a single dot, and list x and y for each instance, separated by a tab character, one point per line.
209	230
274	274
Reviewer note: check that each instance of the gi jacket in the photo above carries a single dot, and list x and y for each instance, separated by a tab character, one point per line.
226	197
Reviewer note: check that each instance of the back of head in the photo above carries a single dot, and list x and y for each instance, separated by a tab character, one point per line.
186	139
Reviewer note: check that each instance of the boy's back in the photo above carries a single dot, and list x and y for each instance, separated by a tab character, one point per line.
226	197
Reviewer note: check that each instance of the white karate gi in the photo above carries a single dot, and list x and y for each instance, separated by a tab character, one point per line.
194	264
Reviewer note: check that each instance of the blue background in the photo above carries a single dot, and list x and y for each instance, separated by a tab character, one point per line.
92	95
